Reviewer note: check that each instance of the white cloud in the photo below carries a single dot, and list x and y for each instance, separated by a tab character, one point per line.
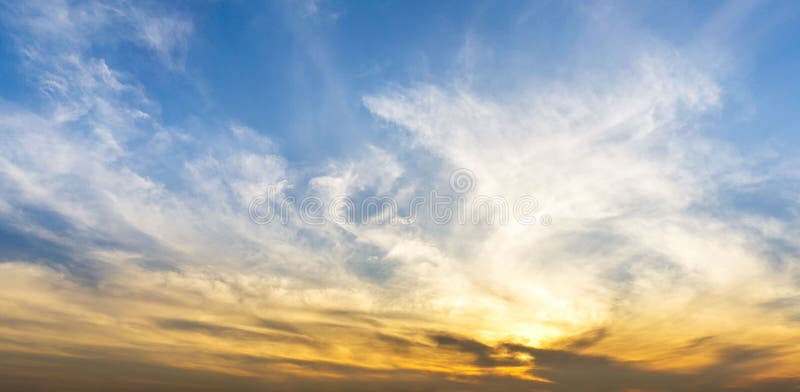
166	35
627	180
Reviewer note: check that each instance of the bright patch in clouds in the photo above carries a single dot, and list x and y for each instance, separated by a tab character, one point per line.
663	252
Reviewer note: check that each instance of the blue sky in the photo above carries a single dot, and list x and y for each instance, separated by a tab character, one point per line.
298	74
659	139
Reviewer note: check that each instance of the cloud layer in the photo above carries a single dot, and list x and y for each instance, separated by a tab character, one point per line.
127	241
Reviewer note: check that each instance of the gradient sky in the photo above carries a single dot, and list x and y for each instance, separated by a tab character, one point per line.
660	140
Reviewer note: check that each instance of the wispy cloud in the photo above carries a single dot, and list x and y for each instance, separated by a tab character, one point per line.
128	240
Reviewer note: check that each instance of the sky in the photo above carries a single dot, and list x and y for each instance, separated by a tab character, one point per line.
399	195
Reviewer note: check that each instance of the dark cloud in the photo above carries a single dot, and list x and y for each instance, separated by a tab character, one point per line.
35	372
584	340
100	369
484	355
788	307
231	333
572	371
71	254
18	244
354	317
783	303
398	343
278	326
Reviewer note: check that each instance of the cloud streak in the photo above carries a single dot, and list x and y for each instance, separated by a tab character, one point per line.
126	240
